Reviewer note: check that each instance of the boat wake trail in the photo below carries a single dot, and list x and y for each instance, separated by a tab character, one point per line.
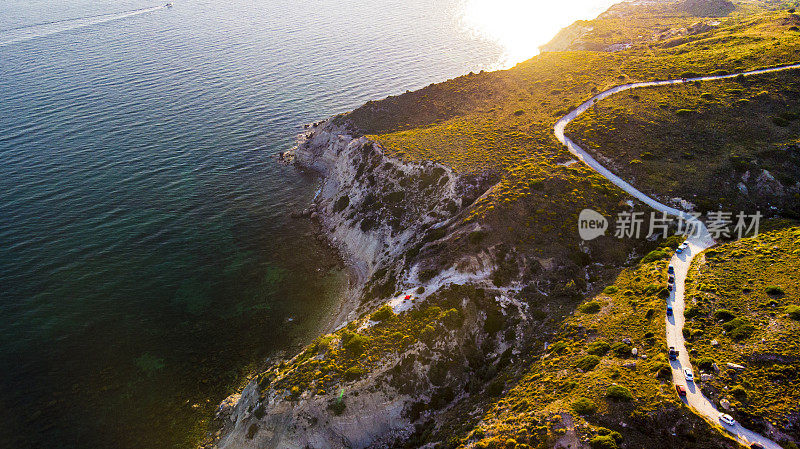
24	33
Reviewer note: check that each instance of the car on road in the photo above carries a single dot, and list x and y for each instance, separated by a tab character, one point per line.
727	419
671	280
671	270
681	390
683	246
687	373
669	287
669	310
673	354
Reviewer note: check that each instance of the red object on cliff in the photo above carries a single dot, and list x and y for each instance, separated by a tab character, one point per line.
408	297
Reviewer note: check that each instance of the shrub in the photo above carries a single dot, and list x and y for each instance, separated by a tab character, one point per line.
663	371
739	392
620	349
337	406
793	311
739	328
590	307
384	313
341	203
691	311
610	290
707	96
603	442
685	112
742	332
259	412
354	343
427	275
557	347
775	290
252	431
656	254
584	406
618	392
587	363
354	372
706	363
724	315
598	348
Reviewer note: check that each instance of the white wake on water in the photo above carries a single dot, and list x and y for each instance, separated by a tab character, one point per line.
20	34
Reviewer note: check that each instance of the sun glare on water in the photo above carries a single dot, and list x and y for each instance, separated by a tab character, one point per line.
521	26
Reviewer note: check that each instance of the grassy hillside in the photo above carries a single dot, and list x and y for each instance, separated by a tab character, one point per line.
603	380
663	136
743	307
468	366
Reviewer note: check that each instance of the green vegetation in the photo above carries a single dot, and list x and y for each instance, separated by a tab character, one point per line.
747	164
578	377
590	307
619	393
587	362
584	406
521	214
598	348
383	314
743	295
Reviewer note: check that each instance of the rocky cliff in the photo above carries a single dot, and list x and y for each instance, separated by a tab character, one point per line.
383	214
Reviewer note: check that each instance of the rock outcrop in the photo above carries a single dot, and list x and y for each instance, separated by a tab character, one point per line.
381	213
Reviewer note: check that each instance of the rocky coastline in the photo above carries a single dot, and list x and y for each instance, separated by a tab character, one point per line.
379	212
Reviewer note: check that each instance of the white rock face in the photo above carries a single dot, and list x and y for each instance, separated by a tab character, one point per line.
373	208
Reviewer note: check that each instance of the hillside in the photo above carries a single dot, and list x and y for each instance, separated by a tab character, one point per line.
751	164
744	311
478	317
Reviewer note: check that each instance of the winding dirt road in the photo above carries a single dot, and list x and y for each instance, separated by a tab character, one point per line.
698	242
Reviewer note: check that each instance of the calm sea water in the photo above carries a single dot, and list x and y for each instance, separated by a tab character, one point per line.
147	257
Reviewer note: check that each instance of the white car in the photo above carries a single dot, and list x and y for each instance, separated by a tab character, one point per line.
687	373
727	419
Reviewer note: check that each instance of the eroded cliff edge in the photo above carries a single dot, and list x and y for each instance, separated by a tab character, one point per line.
389	218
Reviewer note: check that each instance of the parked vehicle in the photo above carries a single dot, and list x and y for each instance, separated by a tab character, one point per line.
671	270
669	310
687	373
671	280
727	419
669	287
681	390
683	247
673	354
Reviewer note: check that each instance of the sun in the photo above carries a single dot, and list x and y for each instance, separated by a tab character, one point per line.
521	26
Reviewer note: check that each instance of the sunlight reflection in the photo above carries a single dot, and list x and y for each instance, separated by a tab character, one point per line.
521	26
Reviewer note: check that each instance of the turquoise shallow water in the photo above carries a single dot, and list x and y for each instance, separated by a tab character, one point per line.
147	257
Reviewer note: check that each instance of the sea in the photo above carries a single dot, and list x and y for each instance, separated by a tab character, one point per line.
149	261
